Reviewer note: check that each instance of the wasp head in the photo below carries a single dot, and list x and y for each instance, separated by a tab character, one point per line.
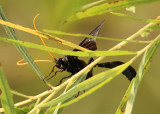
59	63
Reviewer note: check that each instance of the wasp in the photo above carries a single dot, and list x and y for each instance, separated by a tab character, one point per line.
73	65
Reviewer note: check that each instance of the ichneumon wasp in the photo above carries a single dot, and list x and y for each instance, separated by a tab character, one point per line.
73	65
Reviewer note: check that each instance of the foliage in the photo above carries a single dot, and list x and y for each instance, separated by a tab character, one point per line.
77	83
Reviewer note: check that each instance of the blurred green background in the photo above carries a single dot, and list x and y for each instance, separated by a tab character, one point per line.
52	15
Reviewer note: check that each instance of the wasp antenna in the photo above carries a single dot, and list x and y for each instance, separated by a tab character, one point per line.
20	62
40	36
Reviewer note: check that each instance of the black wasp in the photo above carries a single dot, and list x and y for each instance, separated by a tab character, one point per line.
73	65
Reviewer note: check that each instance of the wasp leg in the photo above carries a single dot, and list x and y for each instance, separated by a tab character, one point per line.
77	94
64	78
90	74
49	73
129	72
52	70
55	73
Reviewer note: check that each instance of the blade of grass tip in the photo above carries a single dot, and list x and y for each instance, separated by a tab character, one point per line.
6	96
21	49
142	69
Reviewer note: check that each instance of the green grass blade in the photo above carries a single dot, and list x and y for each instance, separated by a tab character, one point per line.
134	89
105	76
107	7
90	36
6	96
142	69
67	52
21	49
124	99
135	18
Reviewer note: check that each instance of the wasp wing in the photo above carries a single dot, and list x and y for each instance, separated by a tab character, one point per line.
89	43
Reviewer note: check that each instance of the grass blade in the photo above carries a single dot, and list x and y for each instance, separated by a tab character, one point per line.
107	7
135	18
67	52
142	69
6	96
91	36
124	99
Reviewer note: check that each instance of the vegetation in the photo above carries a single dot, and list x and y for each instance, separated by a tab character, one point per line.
45	101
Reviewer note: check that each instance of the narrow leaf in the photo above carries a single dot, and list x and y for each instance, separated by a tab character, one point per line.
107	7
67	52
142	69
91	36
124	99
6	96
135	18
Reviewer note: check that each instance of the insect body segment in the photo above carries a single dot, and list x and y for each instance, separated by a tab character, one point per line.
70	64
130	72
73	65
